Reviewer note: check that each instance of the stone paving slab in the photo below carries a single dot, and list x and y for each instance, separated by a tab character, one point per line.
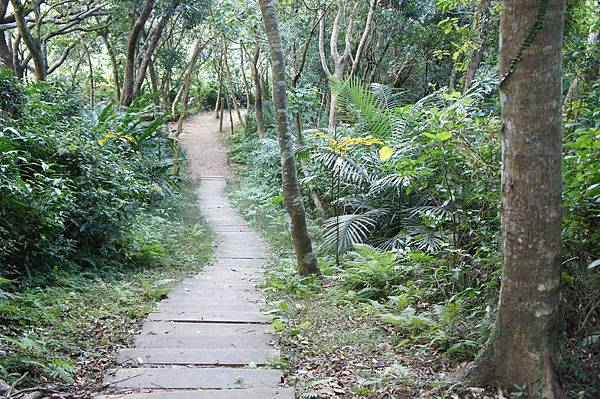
214	306
236	263
228	277
187	329
214	295
231	228
258	393
193	378
204	341
199	284
202	357
210	316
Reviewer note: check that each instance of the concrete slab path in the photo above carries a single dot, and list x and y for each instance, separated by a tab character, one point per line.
210	338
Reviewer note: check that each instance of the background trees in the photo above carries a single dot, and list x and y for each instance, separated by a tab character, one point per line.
395	109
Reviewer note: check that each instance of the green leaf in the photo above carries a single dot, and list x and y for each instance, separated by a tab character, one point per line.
443	136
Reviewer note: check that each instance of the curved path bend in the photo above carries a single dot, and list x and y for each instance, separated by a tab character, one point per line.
209	338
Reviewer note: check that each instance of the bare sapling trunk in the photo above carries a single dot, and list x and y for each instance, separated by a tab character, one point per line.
480	27
258	95
522	345
113	62
129	75
306	259
219	88
591	68
230	84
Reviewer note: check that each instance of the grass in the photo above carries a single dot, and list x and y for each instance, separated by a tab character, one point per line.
66	328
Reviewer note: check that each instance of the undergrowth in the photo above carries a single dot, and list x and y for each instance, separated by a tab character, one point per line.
67	328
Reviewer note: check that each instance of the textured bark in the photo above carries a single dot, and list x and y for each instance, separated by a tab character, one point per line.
5	52
152	42
306	259
129	76
33	44
258	95
480	26
521	346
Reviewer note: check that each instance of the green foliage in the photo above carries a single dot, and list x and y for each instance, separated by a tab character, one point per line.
82	315
66	197
438	189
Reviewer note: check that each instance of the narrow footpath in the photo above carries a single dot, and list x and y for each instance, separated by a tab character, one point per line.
209	338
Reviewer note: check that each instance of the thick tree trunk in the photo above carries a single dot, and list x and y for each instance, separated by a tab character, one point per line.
129	75
5	50
306	259
258	95
521	347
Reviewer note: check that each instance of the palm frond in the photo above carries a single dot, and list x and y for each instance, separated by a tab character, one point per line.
347	230
363	106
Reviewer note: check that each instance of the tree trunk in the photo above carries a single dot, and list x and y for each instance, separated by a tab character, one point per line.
153	40
521	347
258	96
365	37
306	259
91	73
243	72
128	79
480	26
5	50
230	84
590	70
32	43
113	63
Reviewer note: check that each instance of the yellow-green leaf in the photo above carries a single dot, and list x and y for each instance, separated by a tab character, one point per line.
385	153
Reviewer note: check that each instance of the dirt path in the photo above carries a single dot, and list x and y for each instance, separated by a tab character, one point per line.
209	338
204	145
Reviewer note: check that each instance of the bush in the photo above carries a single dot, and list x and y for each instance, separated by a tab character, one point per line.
70	186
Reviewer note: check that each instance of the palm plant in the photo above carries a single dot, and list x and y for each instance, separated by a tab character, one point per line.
411	200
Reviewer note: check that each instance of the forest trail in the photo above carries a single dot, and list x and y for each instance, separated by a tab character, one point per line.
209	338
